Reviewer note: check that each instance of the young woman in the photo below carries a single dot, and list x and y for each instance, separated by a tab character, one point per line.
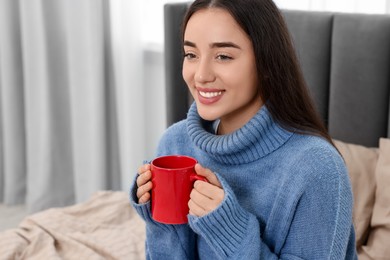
278	188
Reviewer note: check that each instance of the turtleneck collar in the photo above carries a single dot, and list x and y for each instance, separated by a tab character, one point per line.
256	139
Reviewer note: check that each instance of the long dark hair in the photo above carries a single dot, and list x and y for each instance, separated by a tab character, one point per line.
282	86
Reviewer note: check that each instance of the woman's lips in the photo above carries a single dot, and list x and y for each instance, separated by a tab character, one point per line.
209	96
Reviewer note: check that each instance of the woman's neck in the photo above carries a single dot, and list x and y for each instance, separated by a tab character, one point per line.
232	122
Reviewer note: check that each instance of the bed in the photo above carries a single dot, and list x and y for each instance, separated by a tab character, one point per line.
345	59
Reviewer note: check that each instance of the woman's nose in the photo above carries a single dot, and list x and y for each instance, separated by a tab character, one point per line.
204	72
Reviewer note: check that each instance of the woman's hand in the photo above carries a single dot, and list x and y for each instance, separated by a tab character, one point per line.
144	183
205	196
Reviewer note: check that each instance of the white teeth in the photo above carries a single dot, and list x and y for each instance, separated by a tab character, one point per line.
210	94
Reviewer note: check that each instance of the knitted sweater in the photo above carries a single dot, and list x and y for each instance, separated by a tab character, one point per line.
287	195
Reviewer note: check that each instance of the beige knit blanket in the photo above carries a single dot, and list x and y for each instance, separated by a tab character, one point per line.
104	227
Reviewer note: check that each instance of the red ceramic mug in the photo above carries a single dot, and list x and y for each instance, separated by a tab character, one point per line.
173	177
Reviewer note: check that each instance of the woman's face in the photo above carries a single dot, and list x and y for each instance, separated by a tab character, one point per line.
220	69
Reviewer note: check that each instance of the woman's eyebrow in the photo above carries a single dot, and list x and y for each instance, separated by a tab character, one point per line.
224	45
215	45
190	44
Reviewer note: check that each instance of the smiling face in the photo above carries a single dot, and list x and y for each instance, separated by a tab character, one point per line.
220	69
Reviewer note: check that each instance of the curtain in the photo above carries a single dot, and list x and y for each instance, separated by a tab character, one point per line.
72	100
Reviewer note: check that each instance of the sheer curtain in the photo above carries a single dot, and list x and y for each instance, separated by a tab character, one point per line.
73	103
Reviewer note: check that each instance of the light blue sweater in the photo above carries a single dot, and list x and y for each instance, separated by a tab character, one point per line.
287	196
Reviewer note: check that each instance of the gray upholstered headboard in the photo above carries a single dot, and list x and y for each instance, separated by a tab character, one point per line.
345	60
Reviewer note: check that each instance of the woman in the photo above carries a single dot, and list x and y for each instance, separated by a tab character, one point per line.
278	188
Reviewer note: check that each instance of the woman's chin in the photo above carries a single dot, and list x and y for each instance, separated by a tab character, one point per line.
207	114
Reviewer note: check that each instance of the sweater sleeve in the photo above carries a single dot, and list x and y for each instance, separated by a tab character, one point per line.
164	241
314	231
231	231
322	226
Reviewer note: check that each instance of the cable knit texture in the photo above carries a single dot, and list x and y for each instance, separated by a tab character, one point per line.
287	195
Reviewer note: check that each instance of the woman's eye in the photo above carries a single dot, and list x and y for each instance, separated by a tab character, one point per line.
224	57
189	56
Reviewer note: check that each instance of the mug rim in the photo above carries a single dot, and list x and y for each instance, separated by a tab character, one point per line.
152	163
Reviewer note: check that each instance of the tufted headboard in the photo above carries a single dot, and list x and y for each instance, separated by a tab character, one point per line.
345	59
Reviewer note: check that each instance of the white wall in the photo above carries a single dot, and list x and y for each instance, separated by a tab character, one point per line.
356	6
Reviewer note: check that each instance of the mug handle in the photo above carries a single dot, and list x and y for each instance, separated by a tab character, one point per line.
195	177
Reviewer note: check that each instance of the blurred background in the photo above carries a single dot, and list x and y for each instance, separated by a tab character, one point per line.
82	100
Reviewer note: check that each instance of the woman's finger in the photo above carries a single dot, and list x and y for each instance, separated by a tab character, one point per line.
144	198
144	189
195	209
210	176
144	178
209	190
207	195
143	168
